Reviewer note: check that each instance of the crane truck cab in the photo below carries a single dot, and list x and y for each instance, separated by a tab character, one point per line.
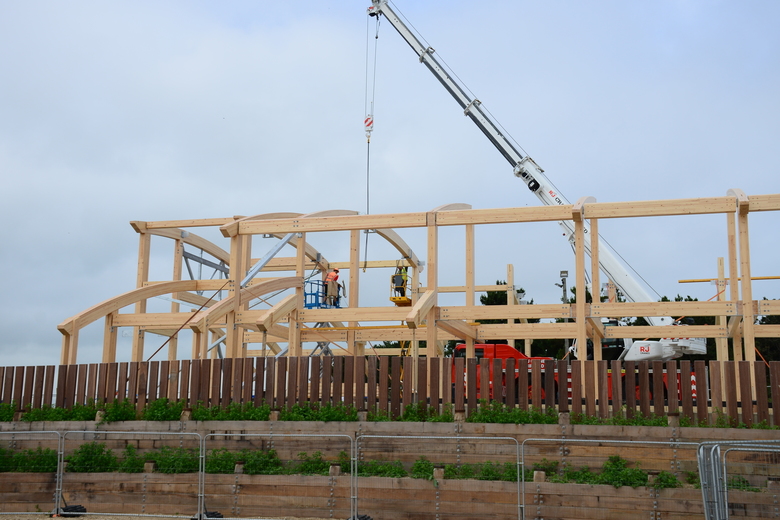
495	351
625	349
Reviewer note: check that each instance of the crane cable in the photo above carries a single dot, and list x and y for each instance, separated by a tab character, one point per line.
368	121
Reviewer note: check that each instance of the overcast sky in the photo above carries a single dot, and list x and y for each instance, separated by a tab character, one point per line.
112	112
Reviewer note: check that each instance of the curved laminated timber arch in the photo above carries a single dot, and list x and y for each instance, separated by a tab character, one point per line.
234	321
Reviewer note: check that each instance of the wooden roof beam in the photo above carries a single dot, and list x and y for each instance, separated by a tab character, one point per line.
420	309
277	312
459	329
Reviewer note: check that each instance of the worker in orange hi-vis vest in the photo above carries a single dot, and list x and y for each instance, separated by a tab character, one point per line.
332	287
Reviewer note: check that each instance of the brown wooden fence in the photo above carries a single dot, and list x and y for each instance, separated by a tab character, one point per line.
741	391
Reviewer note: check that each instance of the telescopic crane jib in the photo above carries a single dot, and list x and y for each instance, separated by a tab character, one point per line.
533	175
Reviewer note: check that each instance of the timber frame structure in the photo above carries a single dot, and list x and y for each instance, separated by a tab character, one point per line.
232	319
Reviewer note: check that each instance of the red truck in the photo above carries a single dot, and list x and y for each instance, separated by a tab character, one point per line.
504	352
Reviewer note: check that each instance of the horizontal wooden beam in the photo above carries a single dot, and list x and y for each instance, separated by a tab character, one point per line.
397	314
682	331
766	331
764	202
658	208
202	222
504	312
504	215
149	319
527	331
617	310
768	308
344	223
202	285
462	288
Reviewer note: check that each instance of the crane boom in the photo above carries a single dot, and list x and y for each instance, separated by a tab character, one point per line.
524	166
526	169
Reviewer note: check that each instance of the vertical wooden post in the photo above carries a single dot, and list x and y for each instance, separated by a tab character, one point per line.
295	348
579	253
721	344
109	339
731	224
431	336
178	255
142	276
356	348
470	281
511	295
748	315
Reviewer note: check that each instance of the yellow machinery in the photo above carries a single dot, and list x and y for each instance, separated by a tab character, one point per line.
399	288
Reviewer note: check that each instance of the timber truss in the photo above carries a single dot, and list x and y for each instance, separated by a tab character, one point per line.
248	310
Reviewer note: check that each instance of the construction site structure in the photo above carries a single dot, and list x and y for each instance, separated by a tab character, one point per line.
253	311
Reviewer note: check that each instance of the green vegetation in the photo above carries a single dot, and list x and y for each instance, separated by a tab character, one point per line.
315	412
233	412
421	412
7	411
78	412
92	457
39	460
496	412
615	472
619	420
162	410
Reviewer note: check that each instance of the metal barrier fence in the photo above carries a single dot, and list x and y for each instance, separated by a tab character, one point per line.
225	492
654	456
737	466
45	448
467	448
189	482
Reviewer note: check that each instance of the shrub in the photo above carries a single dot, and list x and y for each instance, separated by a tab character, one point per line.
422	468
233	412
311	465
131	462
176	460
221	461
162	410
617	473
78	412
378	468
665	480
119	411
315	412
7	411
258	462
92	457
497	412
39	460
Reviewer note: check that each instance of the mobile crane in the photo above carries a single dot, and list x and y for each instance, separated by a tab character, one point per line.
533	175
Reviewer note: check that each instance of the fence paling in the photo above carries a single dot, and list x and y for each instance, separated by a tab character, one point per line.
740	391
